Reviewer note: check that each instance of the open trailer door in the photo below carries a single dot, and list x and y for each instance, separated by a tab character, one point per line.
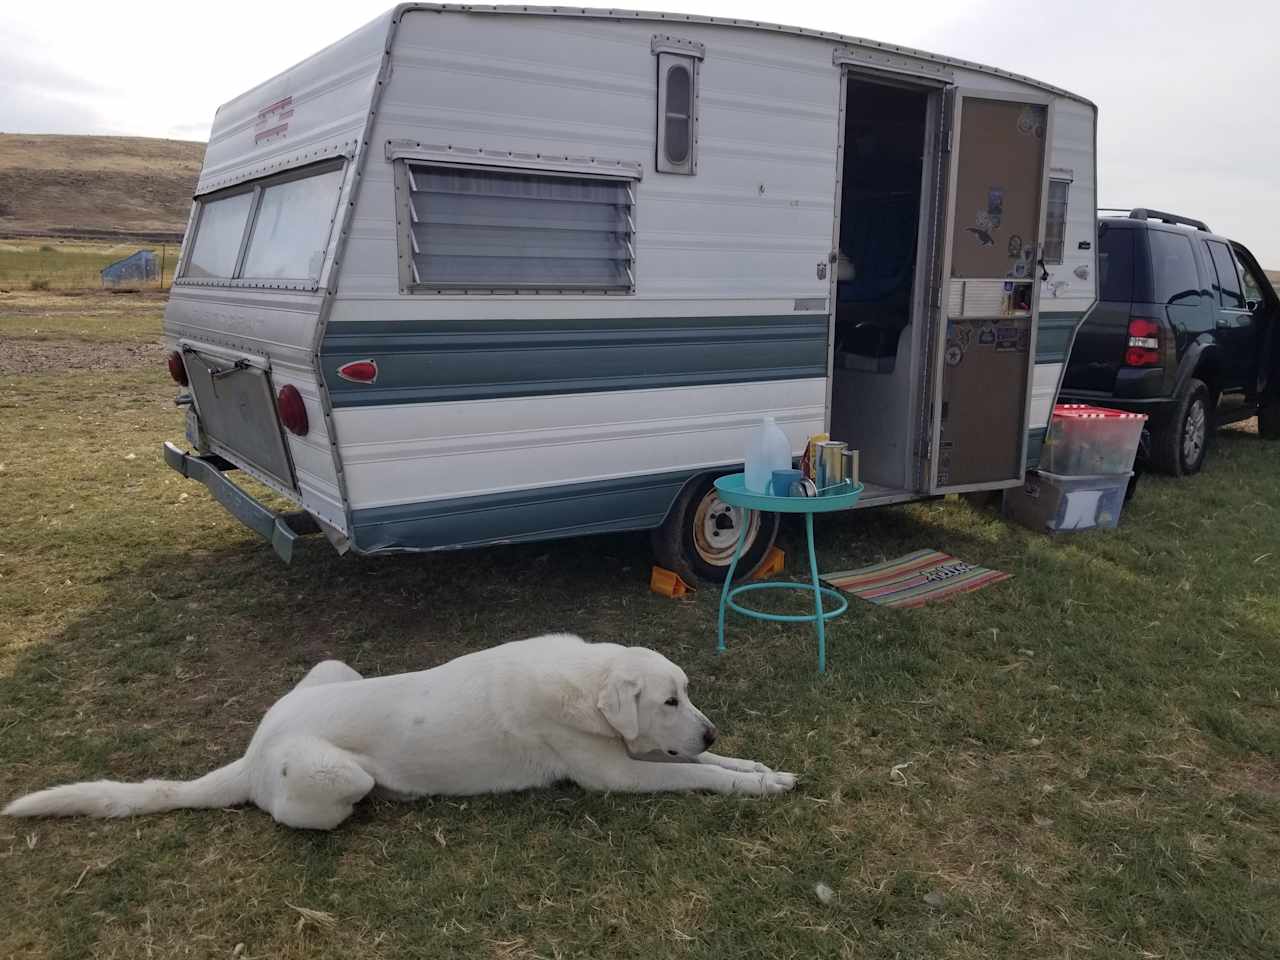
988	296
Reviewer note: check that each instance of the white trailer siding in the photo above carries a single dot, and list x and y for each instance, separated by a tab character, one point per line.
315	110
502	416
1071	289
740	239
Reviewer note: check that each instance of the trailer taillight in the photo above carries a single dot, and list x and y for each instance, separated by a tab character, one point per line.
178	369
1144	343
293	412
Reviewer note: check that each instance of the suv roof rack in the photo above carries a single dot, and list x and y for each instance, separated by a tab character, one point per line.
1146	213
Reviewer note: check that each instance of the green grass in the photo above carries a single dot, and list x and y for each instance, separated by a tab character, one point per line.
53	264
1093	746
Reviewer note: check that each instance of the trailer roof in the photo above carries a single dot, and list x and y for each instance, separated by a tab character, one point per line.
616	14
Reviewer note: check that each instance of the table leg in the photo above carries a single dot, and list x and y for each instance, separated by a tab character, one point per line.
728	580
817	595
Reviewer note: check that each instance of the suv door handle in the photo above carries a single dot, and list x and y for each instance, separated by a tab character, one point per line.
1223	322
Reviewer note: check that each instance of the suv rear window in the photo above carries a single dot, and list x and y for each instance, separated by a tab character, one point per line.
1115	263
1174	264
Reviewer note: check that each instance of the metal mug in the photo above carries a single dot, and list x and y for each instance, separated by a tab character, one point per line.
851	465
830	466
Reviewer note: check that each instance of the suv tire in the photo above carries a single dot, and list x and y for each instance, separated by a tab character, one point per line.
699	535
1269	418
1179	446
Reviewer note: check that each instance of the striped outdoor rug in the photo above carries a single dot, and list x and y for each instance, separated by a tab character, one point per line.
914	579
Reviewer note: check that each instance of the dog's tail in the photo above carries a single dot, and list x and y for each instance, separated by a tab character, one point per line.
225	787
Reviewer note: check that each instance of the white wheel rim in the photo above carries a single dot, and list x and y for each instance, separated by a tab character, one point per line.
716	527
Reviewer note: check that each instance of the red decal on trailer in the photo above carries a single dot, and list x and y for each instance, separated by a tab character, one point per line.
273	120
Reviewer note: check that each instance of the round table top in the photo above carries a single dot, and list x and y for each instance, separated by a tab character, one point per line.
733	491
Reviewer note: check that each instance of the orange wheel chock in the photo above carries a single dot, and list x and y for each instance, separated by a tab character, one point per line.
774	562
668	583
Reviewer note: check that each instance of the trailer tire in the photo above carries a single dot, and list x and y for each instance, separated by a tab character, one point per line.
699	535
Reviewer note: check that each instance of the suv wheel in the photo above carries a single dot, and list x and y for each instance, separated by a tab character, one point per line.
1180	446
1269	418
700	533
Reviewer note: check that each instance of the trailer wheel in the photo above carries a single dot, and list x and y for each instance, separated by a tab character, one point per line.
700	533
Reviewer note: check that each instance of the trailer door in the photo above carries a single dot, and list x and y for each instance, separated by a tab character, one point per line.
988	293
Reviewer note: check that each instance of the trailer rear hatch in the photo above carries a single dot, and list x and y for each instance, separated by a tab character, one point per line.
237	410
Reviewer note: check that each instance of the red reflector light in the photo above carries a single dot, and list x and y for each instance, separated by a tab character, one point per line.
178	369
293	412
359	371
1144	343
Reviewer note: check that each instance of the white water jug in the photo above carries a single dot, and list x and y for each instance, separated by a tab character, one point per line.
767	451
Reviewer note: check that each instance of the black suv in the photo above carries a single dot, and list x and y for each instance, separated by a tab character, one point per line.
1186	330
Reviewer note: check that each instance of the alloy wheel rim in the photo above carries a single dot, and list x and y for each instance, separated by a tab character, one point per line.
1193	433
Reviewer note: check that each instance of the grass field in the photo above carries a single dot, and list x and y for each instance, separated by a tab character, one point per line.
55	264
1087	756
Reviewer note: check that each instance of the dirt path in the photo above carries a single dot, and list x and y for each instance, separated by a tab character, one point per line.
20	355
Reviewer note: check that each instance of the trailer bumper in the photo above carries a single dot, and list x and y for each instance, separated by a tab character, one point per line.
262	520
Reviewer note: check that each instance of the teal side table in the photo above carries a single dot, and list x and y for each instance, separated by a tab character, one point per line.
733	491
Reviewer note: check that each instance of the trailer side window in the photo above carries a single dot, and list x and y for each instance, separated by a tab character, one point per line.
677	122
500	230
1055	227
219	232
272	232
292	226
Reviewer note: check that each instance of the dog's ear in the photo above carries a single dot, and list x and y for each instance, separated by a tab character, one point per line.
618	701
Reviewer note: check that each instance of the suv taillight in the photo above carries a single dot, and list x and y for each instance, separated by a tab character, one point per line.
1144	343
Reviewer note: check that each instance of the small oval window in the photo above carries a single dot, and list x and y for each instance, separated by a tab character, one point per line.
679	113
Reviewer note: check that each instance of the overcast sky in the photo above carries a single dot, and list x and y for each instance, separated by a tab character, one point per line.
1187	91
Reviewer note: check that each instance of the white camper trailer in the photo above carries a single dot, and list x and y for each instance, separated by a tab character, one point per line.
478	275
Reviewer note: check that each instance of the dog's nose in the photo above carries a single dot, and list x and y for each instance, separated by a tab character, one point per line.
708	736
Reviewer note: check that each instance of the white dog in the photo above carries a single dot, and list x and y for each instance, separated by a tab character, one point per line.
523	714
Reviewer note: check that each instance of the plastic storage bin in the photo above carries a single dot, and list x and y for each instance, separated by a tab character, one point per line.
1055	503
1084	441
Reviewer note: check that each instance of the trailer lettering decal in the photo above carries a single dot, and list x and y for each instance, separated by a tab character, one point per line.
273	120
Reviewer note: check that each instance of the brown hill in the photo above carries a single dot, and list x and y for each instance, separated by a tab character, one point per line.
106	187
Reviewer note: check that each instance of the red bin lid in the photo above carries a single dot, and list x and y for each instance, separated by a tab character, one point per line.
1082	411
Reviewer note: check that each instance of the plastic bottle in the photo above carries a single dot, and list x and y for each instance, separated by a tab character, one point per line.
767	451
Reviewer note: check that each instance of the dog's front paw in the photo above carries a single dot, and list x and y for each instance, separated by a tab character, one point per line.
776	781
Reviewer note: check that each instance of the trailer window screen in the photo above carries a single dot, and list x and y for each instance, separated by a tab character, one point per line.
218	235
1055	227
490	229
292	226
677	113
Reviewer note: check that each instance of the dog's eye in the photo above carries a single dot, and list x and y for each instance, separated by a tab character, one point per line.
673	702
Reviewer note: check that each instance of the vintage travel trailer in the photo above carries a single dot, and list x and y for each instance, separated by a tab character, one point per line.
479	275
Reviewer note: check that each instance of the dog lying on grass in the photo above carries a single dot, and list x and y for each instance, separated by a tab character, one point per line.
520	715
